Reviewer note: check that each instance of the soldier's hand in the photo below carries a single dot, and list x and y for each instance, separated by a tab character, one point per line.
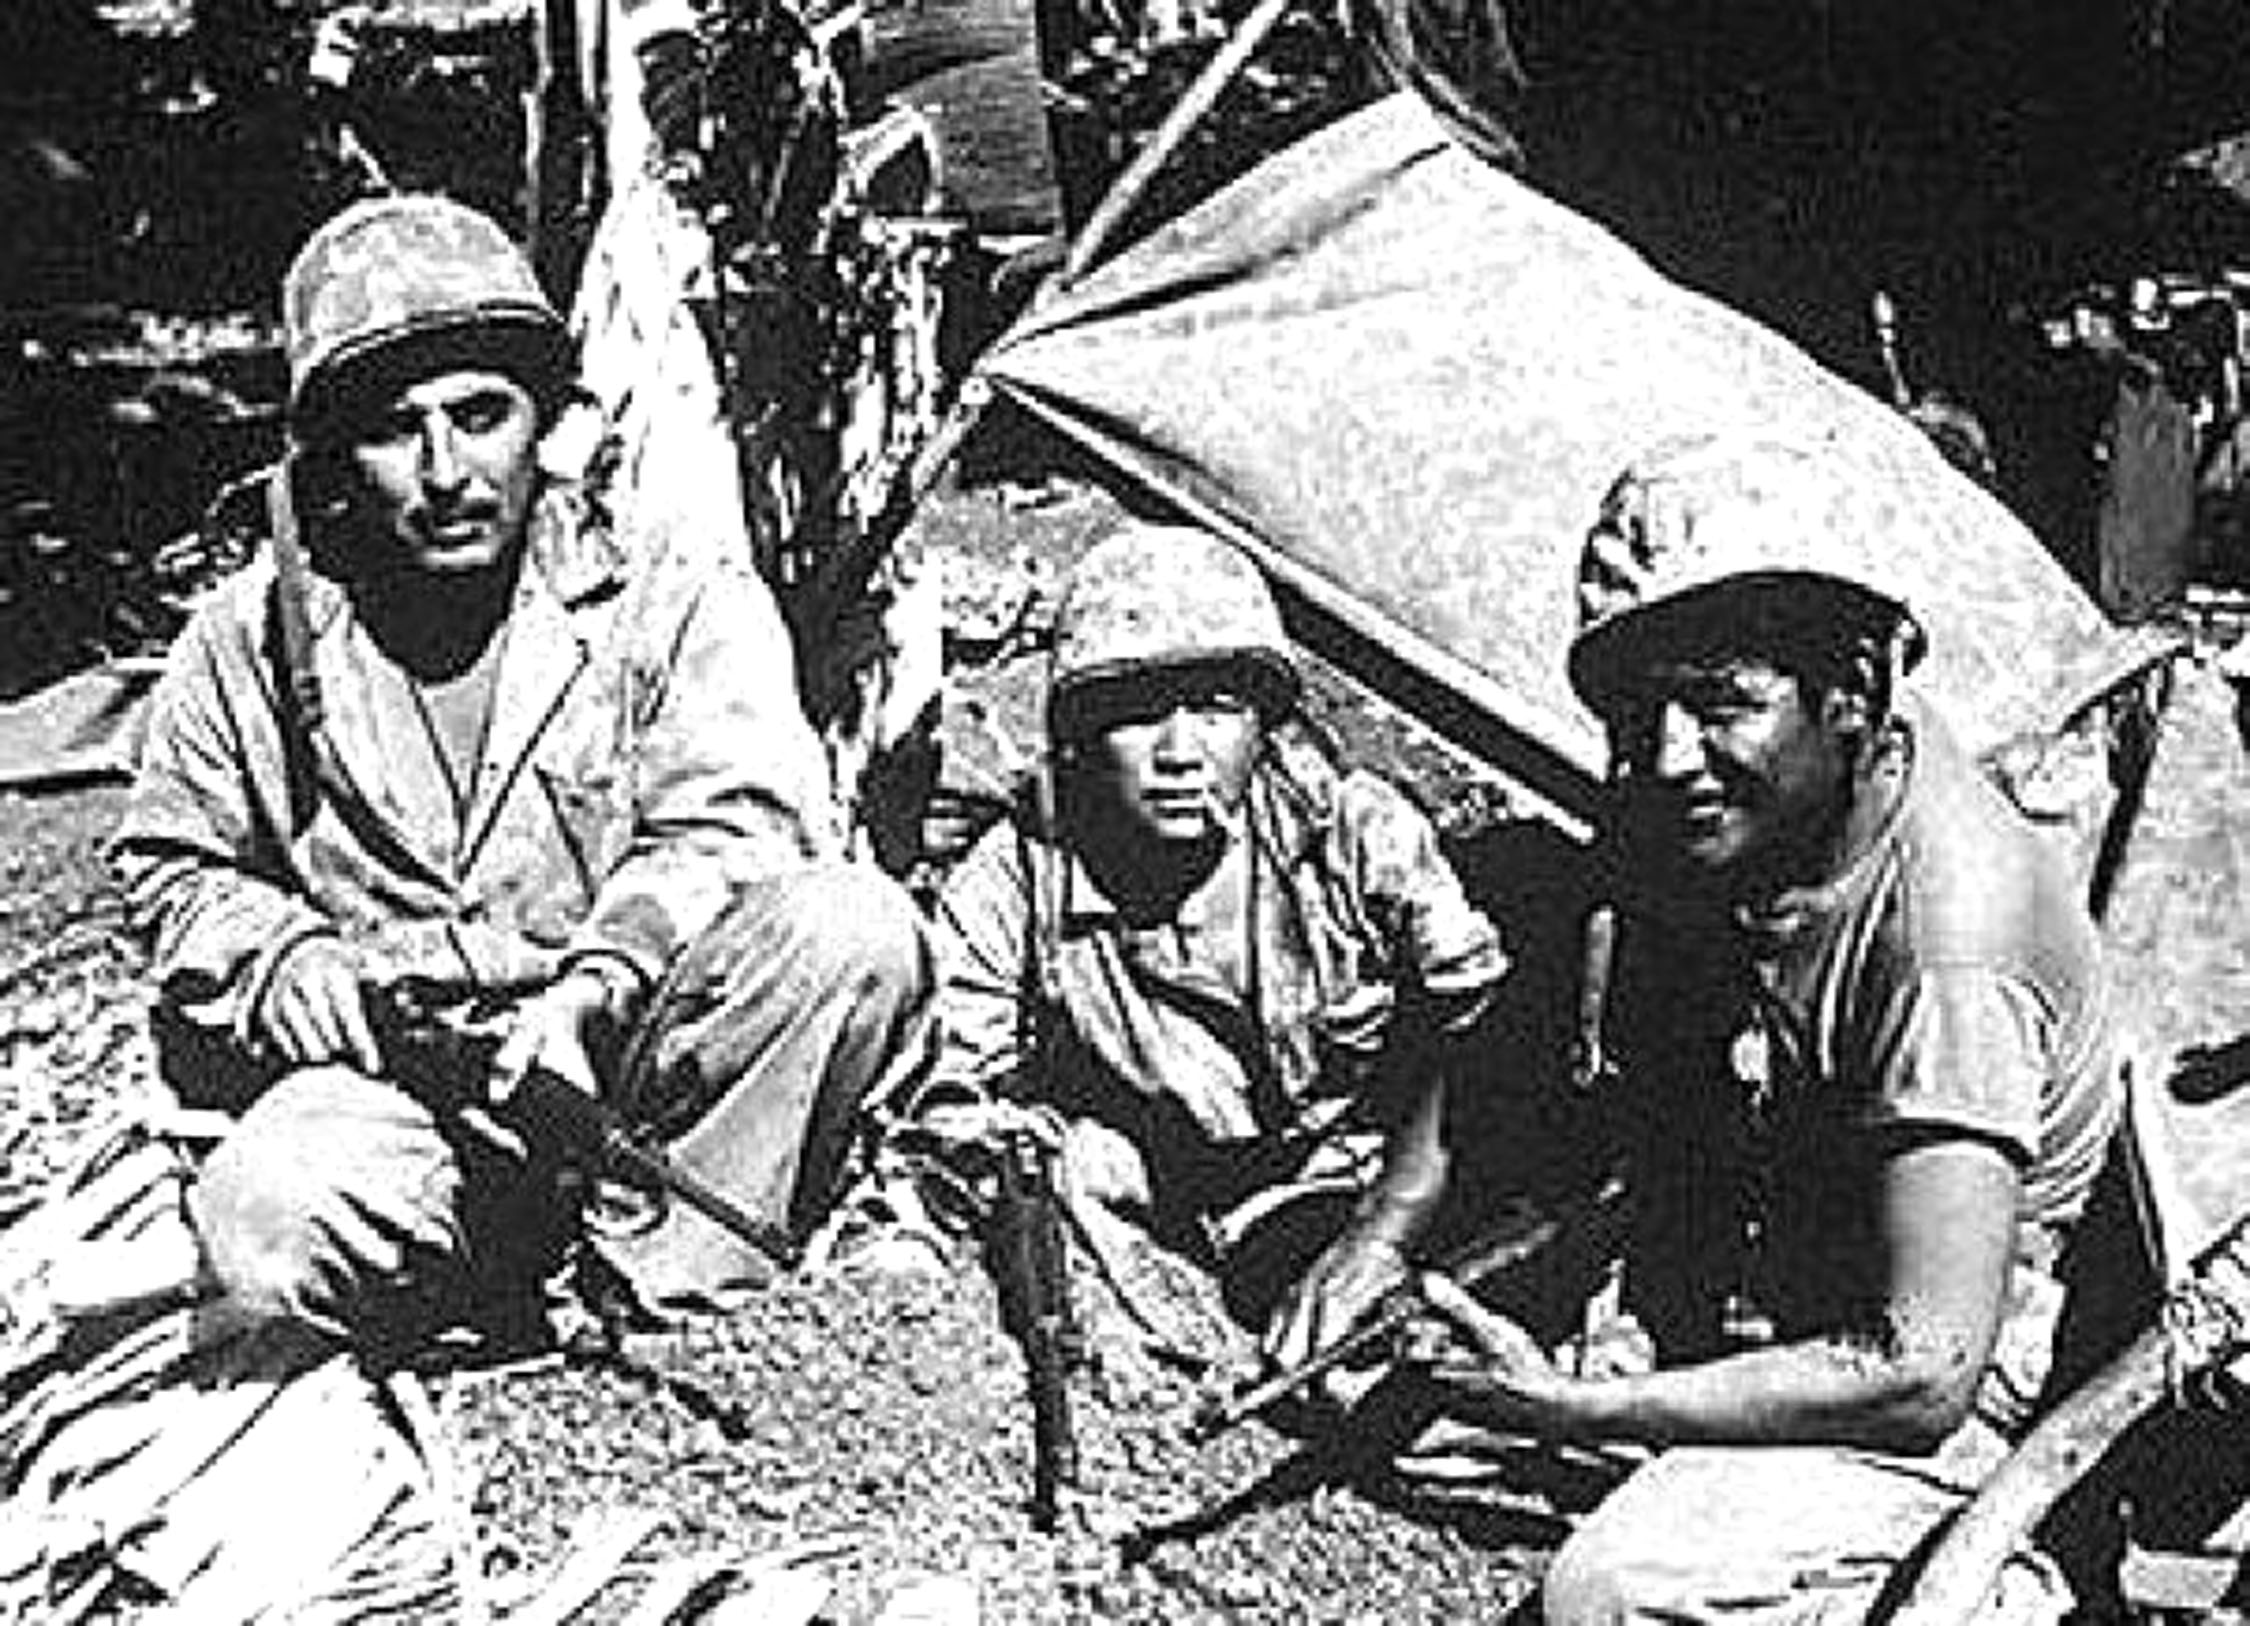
965	1123
570	1028
1458	1330
314	1008
1484	1366
1102	1165
1345	1283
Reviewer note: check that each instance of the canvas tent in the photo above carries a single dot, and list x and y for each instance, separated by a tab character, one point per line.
1403	379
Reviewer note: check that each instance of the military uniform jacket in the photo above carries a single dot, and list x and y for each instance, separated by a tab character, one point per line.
646	755
1227	1064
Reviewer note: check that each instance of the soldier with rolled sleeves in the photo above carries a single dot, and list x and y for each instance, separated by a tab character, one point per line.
1234	979
1869	1072
457	731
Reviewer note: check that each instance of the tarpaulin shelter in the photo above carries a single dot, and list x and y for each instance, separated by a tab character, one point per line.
1404	379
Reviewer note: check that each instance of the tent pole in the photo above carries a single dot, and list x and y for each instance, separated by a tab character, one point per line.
844	572
1126	191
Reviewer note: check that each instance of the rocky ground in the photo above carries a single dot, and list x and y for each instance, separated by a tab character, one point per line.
866	1425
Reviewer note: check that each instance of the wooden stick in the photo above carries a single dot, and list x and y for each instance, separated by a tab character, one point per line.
1598	1221
1186	113
2205	1321
600	1545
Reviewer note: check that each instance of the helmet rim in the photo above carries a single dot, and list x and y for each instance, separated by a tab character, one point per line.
519	342
1273	682
1150	599
1735	541
1743	613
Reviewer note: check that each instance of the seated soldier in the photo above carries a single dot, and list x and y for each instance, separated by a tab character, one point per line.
1869	1073
458	736
1228	973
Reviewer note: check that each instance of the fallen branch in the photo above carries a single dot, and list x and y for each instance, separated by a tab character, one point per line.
2204	1322
599	1549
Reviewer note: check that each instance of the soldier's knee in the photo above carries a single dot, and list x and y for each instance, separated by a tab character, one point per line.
254	1213
838	929
838	949
1585	1584
865	926
308	1209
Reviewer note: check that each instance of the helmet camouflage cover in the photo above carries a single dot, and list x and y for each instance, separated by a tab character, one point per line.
1149	598
1739	543
393	288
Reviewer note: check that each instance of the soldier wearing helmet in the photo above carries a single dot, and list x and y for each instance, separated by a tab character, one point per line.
1229	976
1868	1069
455	742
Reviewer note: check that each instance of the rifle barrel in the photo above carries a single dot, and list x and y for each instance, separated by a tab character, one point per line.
1487	1256
774	1241
448	1069
577	1119
1029	1258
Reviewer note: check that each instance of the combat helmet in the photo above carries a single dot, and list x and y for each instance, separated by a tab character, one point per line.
393	288
1150	598
1737	542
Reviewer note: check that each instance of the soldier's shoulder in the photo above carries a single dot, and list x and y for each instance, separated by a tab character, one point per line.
234	609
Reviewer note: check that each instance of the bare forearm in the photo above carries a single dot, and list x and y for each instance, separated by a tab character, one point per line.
1415	1165
1825	1392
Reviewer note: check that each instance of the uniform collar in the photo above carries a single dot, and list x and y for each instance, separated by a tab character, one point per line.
1084	904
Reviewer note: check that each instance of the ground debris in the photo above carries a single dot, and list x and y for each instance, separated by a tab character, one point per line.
809	1419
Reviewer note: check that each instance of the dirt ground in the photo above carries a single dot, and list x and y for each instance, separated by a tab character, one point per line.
868	1420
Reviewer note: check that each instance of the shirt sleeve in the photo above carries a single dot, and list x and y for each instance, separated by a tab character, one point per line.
1442	943
198	850
1962	1048
982	922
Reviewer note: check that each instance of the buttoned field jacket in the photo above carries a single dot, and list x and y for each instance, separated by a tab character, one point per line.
646	756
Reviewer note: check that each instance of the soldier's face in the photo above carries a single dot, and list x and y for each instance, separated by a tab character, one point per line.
1731	767
1169	762
446	469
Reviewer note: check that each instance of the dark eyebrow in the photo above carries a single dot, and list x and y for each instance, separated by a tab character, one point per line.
490	398
395	417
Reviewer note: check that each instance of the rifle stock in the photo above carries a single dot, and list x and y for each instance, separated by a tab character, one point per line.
594	1136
